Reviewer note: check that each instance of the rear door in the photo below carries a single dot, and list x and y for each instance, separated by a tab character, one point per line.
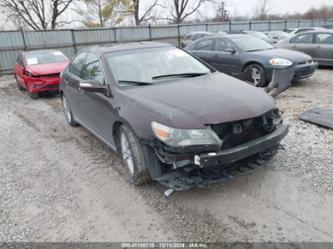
71	79
323	51
224	60
99	115
204	49
303	43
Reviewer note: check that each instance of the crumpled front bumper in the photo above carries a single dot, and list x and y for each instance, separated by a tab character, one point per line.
242	151
226	164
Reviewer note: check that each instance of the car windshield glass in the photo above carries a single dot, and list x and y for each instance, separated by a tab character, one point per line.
260	35
44	57
154	65
248	43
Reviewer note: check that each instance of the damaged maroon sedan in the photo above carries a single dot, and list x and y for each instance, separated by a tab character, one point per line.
172	118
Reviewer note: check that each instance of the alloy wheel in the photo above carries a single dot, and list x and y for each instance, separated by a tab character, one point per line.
126	153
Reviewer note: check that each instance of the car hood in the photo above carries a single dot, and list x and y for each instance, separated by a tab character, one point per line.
50	68
196	102
291	55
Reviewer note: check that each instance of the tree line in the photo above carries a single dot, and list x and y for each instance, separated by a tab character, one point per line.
52	14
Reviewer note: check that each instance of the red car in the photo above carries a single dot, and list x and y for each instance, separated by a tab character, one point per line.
39	71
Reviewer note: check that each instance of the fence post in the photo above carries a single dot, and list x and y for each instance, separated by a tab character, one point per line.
299	23
73	41
115	34
206	25
150	37
23	40
285	24
269	25
178	29
250	25
230	25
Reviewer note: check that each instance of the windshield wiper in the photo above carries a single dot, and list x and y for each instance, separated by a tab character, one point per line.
139	83
178	75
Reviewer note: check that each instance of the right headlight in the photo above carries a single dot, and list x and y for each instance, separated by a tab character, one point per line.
280	62
185	137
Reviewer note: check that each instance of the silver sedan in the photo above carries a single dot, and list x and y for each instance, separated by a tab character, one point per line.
317	44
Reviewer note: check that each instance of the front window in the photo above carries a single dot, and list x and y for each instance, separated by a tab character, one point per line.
92	69
249	43
44	57
154	65
304	38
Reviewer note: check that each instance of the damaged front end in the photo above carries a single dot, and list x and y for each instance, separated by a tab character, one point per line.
243	147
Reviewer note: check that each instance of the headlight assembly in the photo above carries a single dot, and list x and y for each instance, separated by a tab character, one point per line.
185	137
280	62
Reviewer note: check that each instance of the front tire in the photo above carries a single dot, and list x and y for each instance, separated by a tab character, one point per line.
133	157
255	75
67	111
33	95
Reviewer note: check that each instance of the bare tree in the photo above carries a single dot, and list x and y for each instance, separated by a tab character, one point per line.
182	9
147	13
262	9
37	14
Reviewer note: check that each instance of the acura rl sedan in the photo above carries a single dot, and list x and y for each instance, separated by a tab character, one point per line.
250	58
39	71
171	117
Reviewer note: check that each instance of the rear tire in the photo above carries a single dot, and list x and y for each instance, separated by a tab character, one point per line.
67	111
133	157
255	75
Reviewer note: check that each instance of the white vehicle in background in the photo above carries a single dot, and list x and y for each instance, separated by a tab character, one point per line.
277	36
296	31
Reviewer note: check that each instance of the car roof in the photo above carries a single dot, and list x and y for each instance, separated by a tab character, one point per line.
128	46
199	32
316	31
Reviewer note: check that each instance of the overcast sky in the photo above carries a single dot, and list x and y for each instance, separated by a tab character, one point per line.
247	7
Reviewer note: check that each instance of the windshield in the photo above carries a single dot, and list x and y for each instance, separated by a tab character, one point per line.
260	35
154	65
44	57
248	43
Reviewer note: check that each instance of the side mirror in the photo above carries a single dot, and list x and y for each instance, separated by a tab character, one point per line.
230	50
93	86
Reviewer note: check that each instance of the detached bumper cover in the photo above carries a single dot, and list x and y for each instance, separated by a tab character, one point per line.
245	150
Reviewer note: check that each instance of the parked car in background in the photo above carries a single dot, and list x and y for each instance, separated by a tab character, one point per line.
295	31
250	58
327	26
171	117
318	44
277	36
260	35
39	71
193	36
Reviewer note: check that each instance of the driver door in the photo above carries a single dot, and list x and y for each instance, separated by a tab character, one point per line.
99	115
226	58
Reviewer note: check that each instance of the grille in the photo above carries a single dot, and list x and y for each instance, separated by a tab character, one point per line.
240	132
304	62
53	75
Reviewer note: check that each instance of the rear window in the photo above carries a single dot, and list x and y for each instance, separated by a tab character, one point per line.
44	57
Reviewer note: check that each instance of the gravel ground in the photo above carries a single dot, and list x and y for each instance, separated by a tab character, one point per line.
59	183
